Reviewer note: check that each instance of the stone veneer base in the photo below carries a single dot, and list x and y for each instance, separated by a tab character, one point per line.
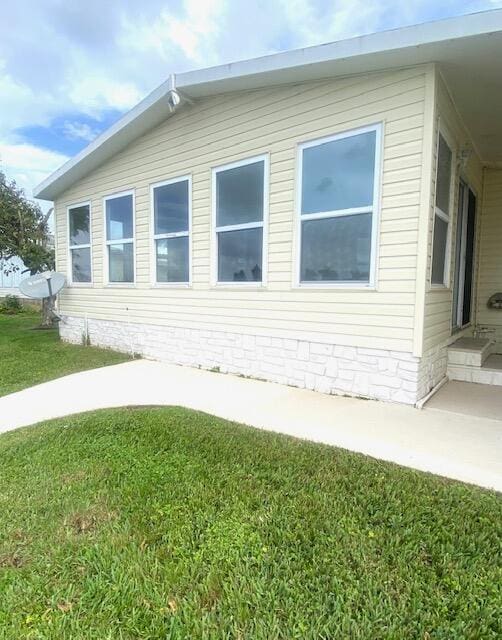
328	368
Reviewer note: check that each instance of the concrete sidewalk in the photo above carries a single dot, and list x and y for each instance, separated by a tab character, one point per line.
458	446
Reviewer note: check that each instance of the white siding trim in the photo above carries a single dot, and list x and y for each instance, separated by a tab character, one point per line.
427	168
153	236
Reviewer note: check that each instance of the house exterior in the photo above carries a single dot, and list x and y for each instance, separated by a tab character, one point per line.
329	218
10	276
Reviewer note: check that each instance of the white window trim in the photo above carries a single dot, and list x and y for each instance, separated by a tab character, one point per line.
107	243
374	209
445	216
178	234
71	247
262	224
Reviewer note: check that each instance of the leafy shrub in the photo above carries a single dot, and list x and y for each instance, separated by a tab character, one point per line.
11	305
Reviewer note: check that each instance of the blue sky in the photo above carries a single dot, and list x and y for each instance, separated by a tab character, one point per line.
75	67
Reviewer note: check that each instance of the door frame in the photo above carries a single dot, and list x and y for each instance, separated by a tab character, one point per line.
459	268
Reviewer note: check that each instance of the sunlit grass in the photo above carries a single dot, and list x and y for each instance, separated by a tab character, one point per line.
30	356
168	523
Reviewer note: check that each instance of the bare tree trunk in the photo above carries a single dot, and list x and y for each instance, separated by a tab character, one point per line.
48	305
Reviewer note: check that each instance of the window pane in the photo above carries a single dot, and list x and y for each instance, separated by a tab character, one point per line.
339	174
240	255
439	250
171	207
239	194
79	225
119	218
81	265
443	181
121	262
172	259
336	249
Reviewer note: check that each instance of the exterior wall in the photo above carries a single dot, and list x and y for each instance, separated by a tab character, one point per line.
437	331
490	254
227	128
358	341
356	371
9	282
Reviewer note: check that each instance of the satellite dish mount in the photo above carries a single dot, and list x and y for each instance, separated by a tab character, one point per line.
44	286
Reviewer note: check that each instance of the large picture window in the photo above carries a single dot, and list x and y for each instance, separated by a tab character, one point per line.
240	210
119	223
79	242
439	270
338	208
171	231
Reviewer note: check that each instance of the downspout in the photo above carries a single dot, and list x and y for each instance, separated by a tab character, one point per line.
423	401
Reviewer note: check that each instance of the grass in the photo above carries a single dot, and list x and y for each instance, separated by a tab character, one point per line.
164	523
29	356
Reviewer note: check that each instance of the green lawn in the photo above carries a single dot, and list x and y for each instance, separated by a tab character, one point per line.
170	524
29	356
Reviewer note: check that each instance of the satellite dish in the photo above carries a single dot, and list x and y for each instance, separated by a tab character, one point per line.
42	285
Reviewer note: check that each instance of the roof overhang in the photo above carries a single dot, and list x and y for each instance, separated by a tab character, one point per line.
468	50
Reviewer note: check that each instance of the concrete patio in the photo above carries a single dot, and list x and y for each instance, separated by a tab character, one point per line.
440	439
469	399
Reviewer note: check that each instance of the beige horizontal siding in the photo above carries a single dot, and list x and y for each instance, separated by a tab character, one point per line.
438	301
225	128
490	253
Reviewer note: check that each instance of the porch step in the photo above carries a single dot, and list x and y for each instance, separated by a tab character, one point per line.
471	352
475	362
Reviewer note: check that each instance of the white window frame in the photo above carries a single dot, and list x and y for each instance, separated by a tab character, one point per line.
107	243
262	224
177	234
71	247
373	208
445	216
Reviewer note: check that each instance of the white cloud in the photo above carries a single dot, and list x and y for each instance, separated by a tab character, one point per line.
69	58
97	93
193	32
28	165
79	131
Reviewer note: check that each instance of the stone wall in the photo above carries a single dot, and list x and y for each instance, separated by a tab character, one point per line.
432	370
328	368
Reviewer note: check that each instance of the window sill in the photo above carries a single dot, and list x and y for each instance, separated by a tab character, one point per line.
171	285
80	285
314	286
257	286
120	285
439	287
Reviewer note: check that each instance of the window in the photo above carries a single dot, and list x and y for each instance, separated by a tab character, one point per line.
441	213
338	207
79	242
240	210
119	223
171	230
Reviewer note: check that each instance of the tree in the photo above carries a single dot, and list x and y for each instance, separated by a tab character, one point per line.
24	233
